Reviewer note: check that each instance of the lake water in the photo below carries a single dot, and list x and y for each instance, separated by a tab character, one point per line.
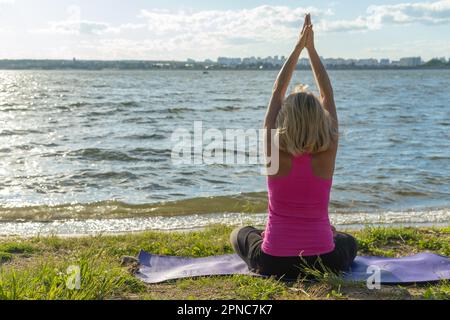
84	152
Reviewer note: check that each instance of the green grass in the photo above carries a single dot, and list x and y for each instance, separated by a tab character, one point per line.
37	268
441	292
398	241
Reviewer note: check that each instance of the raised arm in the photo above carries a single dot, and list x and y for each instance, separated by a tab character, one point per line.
284	79
321	76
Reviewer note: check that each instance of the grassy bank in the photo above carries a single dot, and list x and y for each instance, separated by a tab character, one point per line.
36	268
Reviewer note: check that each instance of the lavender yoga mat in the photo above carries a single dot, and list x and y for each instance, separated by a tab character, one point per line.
421	268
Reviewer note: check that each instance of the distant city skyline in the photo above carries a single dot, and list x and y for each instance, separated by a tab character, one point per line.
201	29
222	63
279	60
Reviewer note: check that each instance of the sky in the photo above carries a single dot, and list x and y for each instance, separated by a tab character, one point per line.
205	29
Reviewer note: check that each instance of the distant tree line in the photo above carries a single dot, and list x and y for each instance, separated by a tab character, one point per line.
436	63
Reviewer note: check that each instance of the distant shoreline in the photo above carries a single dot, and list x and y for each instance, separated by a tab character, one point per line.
103	65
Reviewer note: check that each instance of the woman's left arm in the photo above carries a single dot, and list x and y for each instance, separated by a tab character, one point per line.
284	78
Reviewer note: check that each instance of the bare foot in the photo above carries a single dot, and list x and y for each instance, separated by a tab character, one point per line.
131	263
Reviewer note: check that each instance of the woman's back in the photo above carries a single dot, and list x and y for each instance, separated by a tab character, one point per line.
299	193
298	212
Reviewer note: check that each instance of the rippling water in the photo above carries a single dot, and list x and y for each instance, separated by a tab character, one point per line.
97	145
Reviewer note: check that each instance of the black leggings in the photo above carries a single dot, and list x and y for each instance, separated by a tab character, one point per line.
247	243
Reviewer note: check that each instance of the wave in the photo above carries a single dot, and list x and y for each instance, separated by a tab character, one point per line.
244	203
7	133
165	153
138	120
101	155
411	193
81	104
249	203
154	136
78	104
228	100
110	175
439	157
192	222
129	104
179	110
106	113
228	109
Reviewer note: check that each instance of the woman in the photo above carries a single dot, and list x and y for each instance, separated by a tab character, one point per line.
299	233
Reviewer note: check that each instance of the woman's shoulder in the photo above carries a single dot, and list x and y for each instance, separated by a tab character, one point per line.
323	163
284	163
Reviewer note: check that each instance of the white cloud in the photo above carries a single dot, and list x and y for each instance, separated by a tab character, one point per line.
423	12
379	16
188	31
75	25
281	23
358	24
260	23
263	23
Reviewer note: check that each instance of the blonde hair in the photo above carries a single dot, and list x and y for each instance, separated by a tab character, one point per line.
303	124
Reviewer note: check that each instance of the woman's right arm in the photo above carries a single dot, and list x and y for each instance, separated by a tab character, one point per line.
322	78
324	163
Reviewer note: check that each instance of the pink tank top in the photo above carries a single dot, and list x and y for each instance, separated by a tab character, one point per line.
299	224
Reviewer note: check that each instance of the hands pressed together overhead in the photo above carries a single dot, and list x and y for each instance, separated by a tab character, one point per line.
307	34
